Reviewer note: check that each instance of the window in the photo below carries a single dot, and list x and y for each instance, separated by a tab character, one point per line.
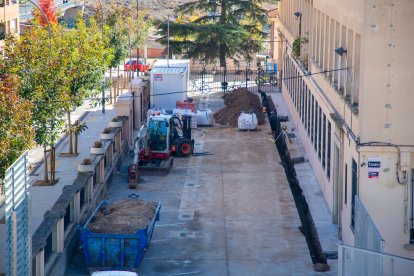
13	26
313	119
328	153
301	101
346	185
309	112
412	209
323	141
2	30
354	180
319	133
315	129
305	107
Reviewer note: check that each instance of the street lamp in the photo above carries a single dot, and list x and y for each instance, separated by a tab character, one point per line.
340	51
299	15
138	45
44	15
103	37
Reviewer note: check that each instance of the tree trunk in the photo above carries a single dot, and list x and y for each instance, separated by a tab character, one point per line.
52	164
110	86
69	130
45	170
76	124
223	47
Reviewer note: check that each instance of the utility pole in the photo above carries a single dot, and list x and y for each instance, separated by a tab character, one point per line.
299	15
168	42
138	45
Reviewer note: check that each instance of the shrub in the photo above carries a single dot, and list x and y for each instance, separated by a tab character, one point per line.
107	130
86	161
97	144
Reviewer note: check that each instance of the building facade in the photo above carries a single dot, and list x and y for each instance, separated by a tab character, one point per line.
9	19
345	69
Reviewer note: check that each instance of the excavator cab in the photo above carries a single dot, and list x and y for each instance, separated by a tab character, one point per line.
158	133
183	144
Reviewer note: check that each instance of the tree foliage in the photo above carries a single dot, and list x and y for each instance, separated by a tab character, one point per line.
50	10
57	73
16	133
217	29
127	29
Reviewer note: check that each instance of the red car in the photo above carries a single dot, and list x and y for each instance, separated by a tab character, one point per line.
132	65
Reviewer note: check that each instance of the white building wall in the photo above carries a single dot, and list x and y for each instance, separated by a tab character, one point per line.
369	101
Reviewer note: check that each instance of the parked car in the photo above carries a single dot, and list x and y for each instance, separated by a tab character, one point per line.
132	65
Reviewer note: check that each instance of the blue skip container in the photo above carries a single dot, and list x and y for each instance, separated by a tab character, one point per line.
115	251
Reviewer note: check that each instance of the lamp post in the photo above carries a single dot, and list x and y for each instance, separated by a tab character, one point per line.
103	37
299	15
44	15
138	45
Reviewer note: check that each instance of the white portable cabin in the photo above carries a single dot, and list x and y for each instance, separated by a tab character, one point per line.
169	82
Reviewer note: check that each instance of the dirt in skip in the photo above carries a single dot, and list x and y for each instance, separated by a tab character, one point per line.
240	100
123	217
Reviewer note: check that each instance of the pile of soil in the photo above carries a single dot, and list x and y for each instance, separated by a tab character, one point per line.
123	217
240	100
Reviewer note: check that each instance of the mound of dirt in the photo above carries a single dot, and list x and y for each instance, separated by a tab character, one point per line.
240	100
123	217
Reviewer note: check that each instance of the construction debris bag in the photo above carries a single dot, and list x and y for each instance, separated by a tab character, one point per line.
205	117
247	121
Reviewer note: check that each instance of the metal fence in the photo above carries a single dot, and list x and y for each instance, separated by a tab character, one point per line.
17	218
366	233
214	81
353	261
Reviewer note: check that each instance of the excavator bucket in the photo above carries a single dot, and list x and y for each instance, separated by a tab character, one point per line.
156	167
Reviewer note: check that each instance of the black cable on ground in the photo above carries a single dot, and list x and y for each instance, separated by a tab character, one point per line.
308	228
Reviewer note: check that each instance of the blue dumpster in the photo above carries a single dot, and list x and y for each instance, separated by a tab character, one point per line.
115	251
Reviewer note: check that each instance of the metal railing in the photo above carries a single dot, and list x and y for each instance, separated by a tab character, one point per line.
213	81
353	261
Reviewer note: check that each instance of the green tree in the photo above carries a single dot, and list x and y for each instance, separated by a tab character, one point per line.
40	63
217	29
16	134
89	56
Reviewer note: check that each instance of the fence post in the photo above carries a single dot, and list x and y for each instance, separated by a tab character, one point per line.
259	81
341	260
246	75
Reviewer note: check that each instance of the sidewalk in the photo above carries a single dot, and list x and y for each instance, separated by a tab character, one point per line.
322	217
44	197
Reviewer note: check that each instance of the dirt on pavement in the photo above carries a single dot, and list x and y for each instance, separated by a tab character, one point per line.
240	100
123	217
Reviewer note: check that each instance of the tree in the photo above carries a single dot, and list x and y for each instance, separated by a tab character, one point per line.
16	134
217	29
50	10
39	63
88	59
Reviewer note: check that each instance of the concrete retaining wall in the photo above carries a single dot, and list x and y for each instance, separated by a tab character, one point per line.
56	238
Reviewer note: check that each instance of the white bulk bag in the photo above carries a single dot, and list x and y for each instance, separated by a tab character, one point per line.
247	121
205	117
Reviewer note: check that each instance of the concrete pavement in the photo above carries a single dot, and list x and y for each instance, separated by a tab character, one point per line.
227	212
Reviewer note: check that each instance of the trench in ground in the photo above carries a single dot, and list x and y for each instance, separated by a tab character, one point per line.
308	228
